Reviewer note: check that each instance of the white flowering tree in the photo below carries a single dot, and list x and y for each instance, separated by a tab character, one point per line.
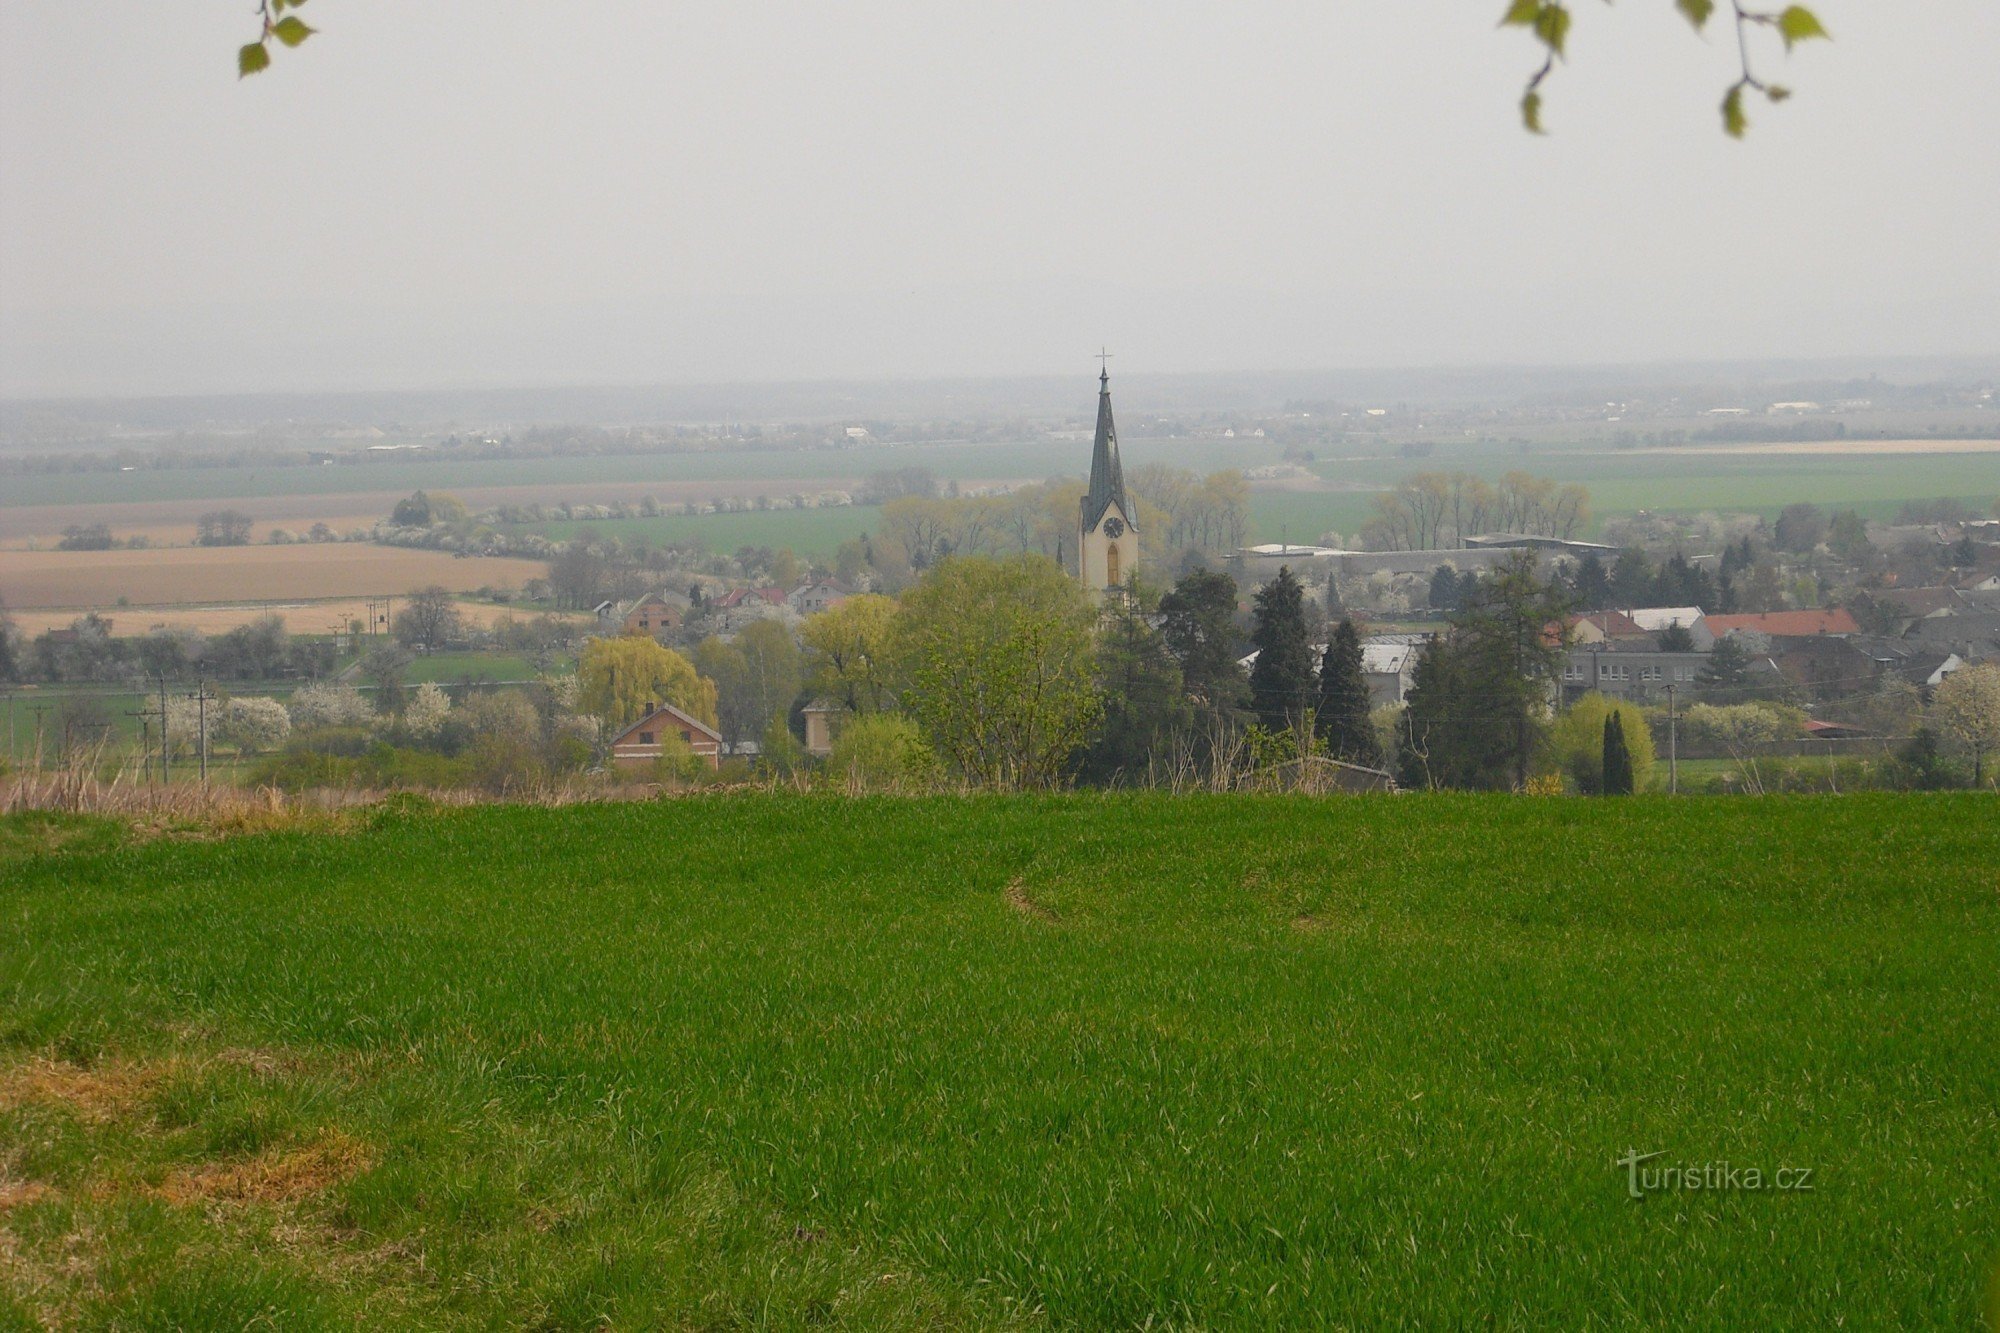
1966	709
427	710
325	705
253	725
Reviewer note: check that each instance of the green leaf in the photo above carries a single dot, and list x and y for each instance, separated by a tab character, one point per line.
1522	14
1696	11
252	58
1531	112
1552	26
1797	24
292	31
1734	122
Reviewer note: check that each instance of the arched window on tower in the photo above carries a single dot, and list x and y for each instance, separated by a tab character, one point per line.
1111	579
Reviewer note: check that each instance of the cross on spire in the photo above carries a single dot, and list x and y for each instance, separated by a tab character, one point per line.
1104	357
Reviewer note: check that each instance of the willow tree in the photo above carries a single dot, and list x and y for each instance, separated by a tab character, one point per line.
619	679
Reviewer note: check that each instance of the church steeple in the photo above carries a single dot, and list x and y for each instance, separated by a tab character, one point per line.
1107	478
1107	545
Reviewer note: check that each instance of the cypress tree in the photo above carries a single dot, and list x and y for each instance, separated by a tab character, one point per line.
1281	683
1342	721
1617	759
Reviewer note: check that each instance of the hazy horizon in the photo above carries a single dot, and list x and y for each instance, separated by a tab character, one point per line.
412	201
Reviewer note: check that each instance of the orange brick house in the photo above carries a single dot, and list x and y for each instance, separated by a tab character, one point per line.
639	744
651	614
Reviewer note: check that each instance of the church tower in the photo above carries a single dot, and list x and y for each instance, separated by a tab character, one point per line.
1107	545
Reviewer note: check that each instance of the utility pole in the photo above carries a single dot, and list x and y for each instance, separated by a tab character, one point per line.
201	698
165	773
1673	745
146	716
38	709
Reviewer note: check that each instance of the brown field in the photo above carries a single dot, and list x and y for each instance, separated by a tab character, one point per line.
171	522
1831	448
300	617
179	576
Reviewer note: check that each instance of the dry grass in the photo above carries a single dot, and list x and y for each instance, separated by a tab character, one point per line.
1022	901
95	1094
273	1177
179	575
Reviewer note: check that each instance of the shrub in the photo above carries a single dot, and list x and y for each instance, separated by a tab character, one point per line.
325	705
883	751
1574	745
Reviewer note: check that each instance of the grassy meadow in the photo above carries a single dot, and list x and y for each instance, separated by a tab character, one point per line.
1078	1061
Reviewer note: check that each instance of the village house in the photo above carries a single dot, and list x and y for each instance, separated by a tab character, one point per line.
819	595
1654	619
641	743
654	613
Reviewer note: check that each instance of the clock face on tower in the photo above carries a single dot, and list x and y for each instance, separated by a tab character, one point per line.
1114	526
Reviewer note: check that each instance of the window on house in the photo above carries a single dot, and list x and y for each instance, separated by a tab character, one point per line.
645	738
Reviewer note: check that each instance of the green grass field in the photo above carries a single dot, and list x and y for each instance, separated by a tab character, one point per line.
1076	1061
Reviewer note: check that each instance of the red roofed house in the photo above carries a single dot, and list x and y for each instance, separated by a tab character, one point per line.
1787	624
639	744
1606	627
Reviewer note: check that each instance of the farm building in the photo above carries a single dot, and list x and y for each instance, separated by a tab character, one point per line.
640	743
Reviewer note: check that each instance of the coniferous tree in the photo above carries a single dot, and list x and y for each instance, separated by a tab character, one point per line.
1342	721
1617	758
1479	696
1281	683
10	667
1725	677
1632	578
1591	584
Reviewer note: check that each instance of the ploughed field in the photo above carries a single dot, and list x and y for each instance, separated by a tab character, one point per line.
1078	1061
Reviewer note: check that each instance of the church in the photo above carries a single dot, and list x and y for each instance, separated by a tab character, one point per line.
1107	547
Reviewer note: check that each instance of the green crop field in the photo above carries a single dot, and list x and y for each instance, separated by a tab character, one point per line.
1081	1062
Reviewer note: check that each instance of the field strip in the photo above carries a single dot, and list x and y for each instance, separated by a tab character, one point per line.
1814	448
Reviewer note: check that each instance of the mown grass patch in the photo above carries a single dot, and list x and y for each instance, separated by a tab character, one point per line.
1074	1061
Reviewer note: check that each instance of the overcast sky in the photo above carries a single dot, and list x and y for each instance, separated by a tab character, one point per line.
517	192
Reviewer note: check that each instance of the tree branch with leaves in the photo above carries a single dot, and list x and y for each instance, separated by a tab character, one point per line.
1549	21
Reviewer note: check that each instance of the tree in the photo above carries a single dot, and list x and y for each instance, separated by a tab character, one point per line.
1143	704
756	677
222	527
1479	693
1281	681
619	679
1342	719
1592	585
1618	775
995	656
321	705
429	619
847	654
1632	577
253	725
1725	677
383	667
427	711
1198	622
1966	711
1799	528
1676	638
10	659
1847	537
